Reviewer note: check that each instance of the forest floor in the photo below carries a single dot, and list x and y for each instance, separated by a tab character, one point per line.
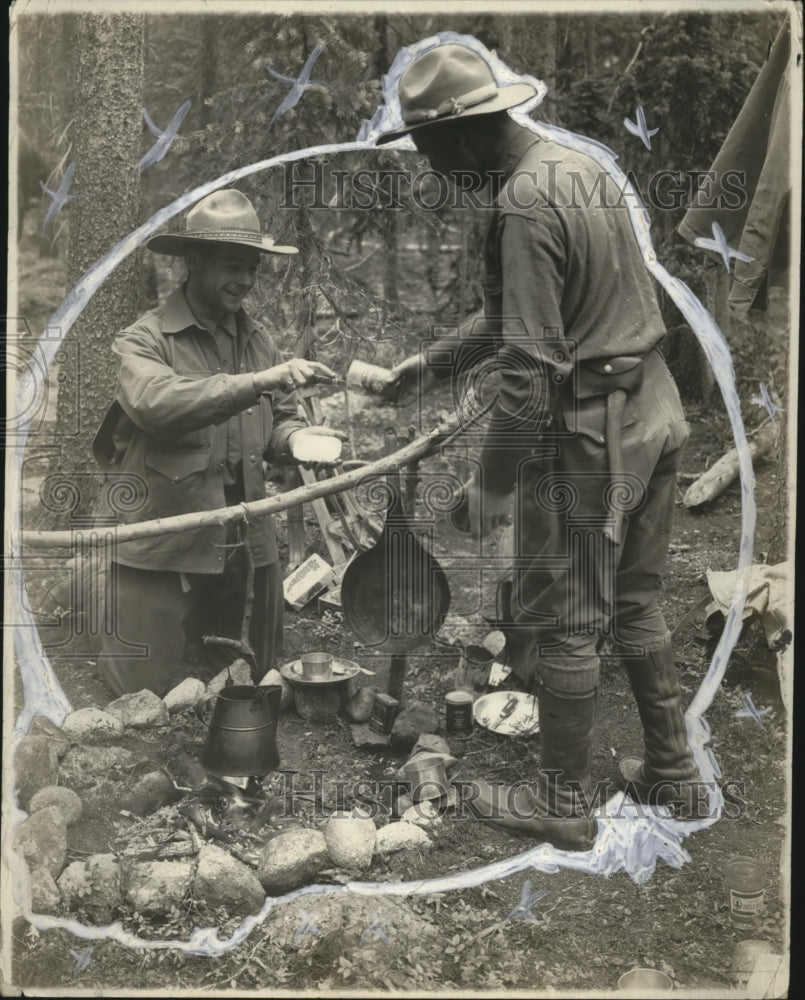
587	930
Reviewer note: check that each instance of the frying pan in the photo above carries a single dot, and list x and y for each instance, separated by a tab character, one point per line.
395	595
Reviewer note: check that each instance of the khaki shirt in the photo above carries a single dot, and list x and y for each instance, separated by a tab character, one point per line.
168	430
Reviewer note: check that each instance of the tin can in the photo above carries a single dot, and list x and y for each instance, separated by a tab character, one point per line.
458	713
371	378
746	889
383	713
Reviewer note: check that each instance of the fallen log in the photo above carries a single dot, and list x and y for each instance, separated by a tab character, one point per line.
470	412
717	478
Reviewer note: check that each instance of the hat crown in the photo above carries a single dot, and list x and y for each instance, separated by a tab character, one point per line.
440	76
223	211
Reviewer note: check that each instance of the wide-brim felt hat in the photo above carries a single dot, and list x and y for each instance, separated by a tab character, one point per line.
447	83
226	217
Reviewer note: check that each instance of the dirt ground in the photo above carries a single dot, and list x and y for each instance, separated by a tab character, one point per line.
586	930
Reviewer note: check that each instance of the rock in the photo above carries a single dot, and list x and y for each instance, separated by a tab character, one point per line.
45	895
149	793
37	766
358	923
292	859
400	837
92	722
286	698
64	799
495	642
83	762
423	814
240	672
222	880
184	695
410	724
361	704
156	886
42	840
350	839
94	885
431	743
364	737
42	726
142	709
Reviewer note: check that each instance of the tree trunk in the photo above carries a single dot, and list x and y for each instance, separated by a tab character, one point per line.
108	56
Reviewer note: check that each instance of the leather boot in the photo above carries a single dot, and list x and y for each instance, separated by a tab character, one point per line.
668	775
556	808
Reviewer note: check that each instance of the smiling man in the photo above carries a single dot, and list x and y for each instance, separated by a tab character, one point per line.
204	398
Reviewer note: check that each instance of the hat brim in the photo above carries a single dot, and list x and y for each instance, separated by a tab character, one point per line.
177	244
507	97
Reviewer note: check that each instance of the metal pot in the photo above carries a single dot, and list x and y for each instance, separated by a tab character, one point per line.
242	730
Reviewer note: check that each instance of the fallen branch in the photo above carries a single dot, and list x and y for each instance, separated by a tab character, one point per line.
424	445
711	484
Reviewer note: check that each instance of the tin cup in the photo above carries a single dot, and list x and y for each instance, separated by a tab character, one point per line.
458	713
369	378
645	982
315	665
746	890
427	775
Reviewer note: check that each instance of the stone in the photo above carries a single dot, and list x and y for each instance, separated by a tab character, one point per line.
286	698
362	925
292	859
239	671
222	880
184	695
83	762
37	765
350	839
431	743
156	886
91	722
149	793
410	724
141	709
366	738
42	840
95	886
495	642
64	799
423	814
42	726
401	837
361	704
45	895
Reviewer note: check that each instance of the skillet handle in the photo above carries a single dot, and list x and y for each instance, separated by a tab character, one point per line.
391	445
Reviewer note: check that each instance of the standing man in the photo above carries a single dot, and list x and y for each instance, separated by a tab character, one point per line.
203	399
586	434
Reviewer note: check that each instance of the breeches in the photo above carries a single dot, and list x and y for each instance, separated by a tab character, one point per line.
589	549
151	612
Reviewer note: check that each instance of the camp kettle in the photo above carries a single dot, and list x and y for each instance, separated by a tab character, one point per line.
241	731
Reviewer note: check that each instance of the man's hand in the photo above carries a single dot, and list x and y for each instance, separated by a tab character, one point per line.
487	510
407	379
314	446
293	374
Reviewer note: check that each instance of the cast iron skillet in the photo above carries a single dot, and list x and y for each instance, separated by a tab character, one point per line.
395	595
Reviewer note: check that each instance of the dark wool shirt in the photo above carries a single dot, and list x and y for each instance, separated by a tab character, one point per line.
565	283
